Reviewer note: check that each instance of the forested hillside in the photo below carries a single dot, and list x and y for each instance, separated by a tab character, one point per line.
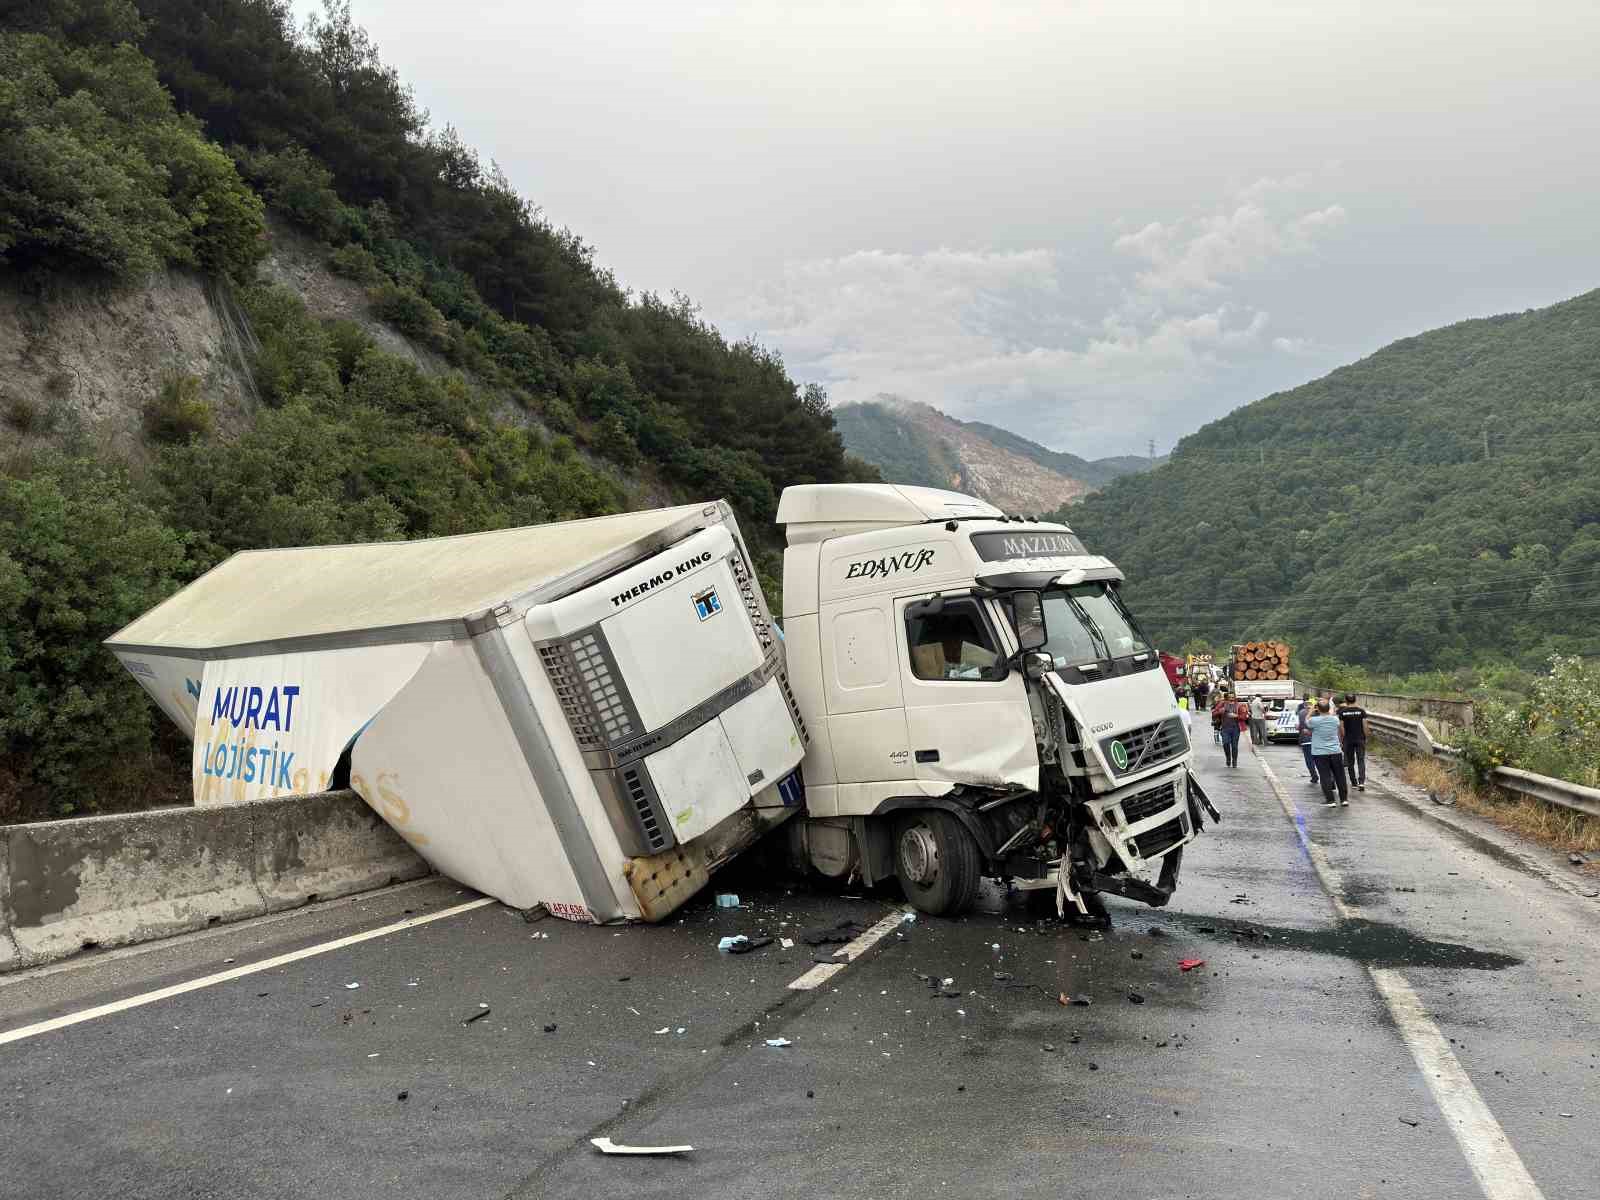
915	443
156	139
1432	506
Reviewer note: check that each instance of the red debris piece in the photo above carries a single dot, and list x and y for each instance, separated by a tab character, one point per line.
1190	964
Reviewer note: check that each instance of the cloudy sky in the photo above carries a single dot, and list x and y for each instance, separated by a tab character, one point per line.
1093	223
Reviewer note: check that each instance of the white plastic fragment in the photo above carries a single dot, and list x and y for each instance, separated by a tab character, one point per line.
779	1043
728	943
727	900
607	1146
908	918
664	1029
350	987
786	943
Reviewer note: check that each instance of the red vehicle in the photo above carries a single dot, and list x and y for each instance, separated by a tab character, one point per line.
1177	673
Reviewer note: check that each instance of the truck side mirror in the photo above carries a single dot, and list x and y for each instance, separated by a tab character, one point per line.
1027	608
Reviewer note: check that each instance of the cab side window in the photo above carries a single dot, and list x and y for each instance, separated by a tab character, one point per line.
955	644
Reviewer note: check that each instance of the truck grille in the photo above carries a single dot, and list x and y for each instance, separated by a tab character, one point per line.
1162	837
1146	745
641	794
1148	803
752	603
595	702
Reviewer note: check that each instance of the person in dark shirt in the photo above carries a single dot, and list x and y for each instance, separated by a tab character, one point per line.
1354	718
1302	717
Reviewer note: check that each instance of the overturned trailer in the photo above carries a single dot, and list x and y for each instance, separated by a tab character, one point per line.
592	715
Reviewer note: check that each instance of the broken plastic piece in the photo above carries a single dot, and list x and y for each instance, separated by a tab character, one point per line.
908	918
727	900
607	1146
786	943
351	986
779	1043
1190	964
483	1011
744	945
728	943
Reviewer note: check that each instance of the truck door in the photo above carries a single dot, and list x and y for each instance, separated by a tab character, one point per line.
967	714
866	716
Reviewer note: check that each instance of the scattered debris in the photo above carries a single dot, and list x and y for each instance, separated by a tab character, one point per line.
908	918
1135	998
664	1029
727	944
607	1146
1094	1066
947	982
786	943
624	978
350	987
483	1011
537	913
1048	1048
1241	898
779	1043
403	1097
1574	858
550	1028
844	931
227	960
1001	976
1154	932
1077	1001
727	900
1411	1121
743	945
1137	954
1566	1115
1190	964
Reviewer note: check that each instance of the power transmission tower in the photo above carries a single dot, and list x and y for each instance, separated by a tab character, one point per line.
1152	449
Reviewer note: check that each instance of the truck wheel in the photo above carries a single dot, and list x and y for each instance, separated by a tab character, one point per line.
936	861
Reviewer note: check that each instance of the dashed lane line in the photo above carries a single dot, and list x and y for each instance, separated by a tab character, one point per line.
822	972
205	981
1494	1161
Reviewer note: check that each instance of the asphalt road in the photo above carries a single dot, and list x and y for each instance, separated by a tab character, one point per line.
1286	1066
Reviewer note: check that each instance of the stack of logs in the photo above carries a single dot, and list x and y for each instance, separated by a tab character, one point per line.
1261	660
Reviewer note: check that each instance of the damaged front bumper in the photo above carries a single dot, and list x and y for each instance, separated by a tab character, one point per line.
1137	836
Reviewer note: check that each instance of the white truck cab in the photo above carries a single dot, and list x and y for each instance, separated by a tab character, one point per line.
979	702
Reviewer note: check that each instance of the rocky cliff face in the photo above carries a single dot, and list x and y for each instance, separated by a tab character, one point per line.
88	356
913	443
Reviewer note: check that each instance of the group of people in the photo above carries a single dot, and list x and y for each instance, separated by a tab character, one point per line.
1332	739
1334	743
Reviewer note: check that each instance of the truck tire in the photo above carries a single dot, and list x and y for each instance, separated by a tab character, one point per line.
937	862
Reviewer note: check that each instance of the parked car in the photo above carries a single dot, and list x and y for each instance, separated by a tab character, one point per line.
1284	726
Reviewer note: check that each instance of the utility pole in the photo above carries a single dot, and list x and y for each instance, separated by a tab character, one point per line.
1152	449
1486	441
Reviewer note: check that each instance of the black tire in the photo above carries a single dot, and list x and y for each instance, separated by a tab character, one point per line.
944	883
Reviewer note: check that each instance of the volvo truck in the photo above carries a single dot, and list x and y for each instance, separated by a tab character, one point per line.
978	702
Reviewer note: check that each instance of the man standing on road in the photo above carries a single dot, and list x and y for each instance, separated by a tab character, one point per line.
1258	721
1354	718
1302	716
1327	747
1228	729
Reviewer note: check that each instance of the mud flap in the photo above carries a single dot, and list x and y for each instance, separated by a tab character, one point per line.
1198	793
1065	891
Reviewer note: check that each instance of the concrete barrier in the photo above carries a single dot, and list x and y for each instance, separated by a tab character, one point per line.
66	886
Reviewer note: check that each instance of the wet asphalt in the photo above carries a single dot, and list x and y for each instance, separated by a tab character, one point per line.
1274	1070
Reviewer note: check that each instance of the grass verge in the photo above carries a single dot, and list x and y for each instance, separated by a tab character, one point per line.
1544	823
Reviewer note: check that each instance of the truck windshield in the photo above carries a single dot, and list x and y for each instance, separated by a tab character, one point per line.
1087	623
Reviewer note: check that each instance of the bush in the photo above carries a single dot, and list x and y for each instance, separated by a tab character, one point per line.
1555	731
612	440
177	412
410	313
25	414
356	262
81	555
297	185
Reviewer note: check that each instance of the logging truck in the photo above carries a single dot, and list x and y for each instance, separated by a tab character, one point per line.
1261	669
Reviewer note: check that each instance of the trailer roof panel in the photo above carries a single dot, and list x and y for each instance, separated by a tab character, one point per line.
382	589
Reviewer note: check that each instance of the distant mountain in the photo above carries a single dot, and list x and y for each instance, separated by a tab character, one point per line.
1435	505
915	443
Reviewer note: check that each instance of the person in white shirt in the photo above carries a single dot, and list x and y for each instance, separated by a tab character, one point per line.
1258	721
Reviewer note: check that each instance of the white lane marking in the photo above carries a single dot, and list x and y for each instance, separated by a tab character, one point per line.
205	981
822	972
1494	1161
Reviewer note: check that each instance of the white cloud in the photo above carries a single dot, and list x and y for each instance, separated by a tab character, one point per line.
1089	352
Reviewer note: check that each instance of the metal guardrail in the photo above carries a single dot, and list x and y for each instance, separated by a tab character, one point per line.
1573	796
